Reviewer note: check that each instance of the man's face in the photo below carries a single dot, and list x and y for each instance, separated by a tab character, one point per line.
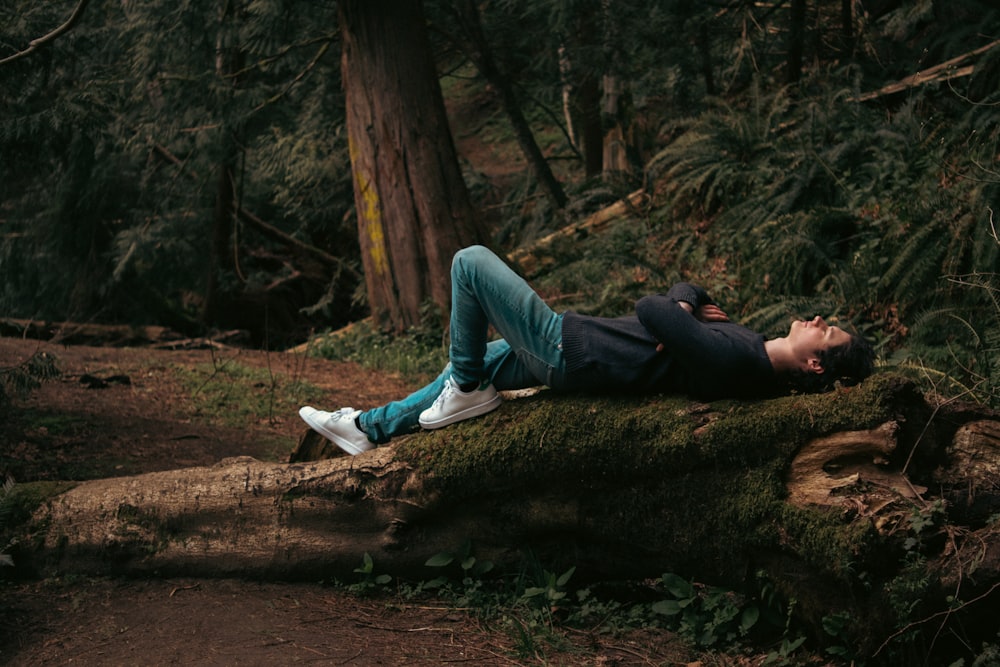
809	337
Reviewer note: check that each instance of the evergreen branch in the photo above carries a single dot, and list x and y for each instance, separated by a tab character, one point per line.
266	229
324	39
35	44
298	77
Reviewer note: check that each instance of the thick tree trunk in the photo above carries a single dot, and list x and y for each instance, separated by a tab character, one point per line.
813	491
413	208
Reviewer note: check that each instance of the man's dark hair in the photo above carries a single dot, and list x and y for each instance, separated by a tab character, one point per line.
846	365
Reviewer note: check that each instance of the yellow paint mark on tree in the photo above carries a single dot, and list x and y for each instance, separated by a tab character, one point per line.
371	216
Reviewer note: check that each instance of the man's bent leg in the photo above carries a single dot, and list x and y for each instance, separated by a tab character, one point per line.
486	291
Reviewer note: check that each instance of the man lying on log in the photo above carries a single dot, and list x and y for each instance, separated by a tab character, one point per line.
678	342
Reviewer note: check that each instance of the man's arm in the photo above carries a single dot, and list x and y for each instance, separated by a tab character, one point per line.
675	319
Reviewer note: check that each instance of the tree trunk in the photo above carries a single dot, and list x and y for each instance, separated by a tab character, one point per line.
222	263
705	54
615	142
846	28
412	205
614	106
582	92
796	41
478	50
824	494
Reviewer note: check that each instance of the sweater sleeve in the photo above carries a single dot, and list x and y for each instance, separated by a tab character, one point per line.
666	319
694	344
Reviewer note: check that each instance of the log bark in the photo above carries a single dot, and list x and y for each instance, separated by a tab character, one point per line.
811	490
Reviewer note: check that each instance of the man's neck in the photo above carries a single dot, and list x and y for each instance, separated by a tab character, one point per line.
780	355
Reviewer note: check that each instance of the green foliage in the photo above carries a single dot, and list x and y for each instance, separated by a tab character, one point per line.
130	118
369	581
709	615
470	566
550	591
27	376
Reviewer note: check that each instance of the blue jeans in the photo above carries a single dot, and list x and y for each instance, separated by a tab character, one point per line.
484	292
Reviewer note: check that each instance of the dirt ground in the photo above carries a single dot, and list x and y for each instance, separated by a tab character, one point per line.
124	411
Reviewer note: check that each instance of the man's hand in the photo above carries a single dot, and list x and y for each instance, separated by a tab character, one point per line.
710	313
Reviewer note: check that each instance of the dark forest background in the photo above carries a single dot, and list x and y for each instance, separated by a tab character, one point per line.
187	163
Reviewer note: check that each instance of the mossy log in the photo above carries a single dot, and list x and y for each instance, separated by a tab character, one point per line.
832	497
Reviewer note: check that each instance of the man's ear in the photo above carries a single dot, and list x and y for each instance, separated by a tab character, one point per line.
814	365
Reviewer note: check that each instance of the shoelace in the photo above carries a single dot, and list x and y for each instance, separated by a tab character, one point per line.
449	389
342	413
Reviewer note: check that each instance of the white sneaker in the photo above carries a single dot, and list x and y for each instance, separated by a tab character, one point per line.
454	405
339	428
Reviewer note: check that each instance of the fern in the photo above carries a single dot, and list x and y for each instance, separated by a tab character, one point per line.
6	484
27	376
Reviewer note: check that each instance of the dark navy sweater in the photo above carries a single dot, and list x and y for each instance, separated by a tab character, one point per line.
705	360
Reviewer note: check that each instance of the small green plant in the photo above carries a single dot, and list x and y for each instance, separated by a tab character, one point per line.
783	654
551	591
471	567
835	626
469	588
705	614
922	521
369	581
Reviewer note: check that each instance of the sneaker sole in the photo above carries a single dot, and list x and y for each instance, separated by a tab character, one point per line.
345	445
468	413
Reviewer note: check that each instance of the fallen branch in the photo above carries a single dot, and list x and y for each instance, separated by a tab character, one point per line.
943	72
528	258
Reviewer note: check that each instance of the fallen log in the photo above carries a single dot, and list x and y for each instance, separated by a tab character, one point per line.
86	333
616	487
531	259
953	68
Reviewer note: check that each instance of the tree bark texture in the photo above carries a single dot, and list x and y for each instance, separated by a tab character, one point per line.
413	208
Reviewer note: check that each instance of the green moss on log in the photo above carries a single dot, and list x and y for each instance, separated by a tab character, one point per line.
652	473
571	438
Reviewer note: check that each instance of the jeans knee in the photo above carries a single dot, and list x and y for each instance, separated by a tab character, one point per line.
468	257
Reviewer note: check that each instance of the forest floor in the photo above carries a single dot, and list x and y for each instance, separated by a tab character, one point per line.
117	411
